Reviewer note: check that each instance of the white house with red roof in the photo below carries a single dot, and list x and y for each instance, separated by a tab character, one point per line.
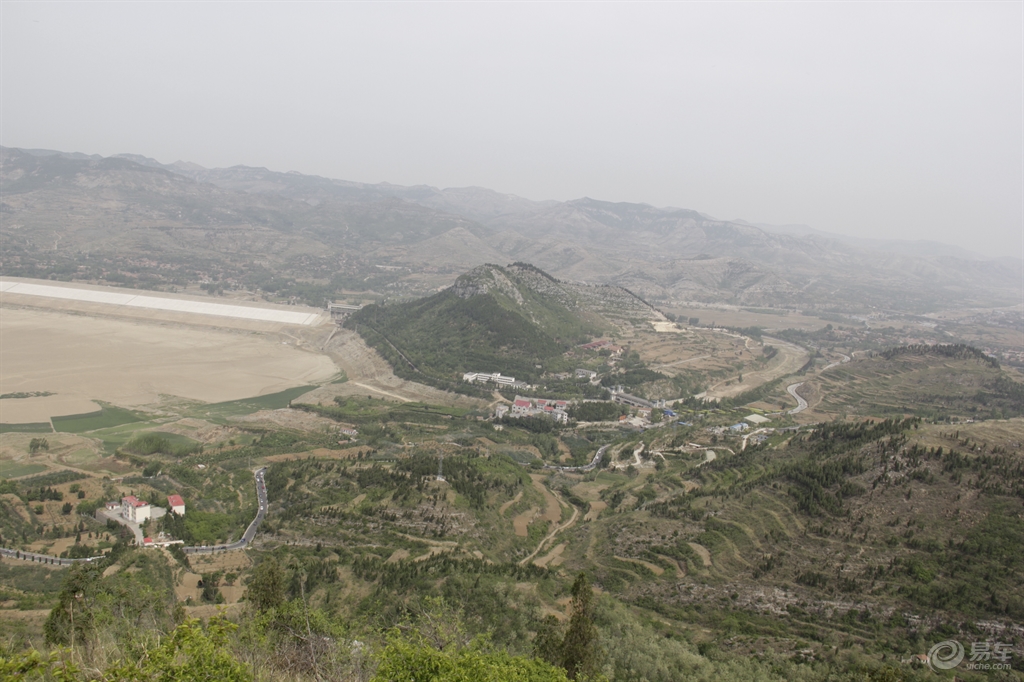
134	509
521	407
529	407
176	504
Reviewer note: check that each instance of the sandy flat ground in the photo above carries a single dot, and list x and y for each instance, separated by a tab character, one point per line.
83	358
790	358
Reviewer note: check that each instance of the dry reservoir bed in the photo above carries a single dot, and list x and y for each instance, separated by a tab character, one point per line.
128	363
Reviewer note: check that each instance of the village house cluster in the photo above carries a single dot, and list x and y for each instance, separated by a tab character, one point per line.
535	407
603	344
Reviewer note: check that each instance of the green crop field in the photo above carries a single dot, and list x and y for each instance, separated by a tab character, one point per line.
235	408
107	417
16	470
36	427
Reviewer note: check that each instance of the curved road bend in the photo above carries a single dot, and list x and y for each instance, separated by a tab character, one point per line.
586	467
801	404
250	532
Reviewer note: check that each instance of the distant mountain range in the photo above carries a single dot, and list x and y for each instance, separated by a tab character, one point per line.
130	218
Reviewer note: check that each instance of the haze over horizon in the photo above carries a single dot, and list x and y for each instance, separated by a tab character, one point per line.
878	121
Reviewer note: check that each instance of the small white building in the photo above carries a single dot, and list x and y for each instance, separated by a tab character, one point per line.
134	509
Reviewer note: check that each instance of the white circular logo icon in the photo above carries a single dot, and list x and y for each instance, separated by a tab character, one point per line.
945	655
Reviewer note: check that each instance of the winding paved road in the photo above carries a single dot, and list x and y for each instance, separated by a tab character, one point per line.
801	404
250	532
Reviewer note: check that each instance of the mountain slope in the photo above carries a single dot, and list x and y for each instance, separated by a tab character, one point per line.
119	221
920	273
493	319
133	219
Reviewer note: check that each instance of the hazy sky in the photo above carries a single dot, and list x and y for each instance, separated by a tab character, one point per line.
875	119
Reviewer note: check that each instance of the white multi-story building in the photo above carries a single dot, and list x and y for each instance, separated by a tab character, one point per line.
135	510
483	378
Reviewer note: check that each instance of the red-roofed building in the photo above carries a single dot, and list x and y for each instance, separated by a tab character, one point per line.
134	509
176	504
521	407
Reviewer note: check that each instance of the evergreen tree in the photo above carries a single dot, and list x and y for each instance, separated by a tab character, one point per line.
547	645
579	648
266	589
71	620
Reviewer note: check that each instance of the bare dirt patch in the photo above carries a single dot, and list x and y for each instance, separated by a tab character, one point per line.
554	557
289	419
189	587
229	562
504	507
552	511
596	507
702	551
521	522
232	593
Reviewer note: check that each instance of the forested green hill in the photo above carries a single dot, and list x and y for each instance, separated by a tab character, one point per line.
494	319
